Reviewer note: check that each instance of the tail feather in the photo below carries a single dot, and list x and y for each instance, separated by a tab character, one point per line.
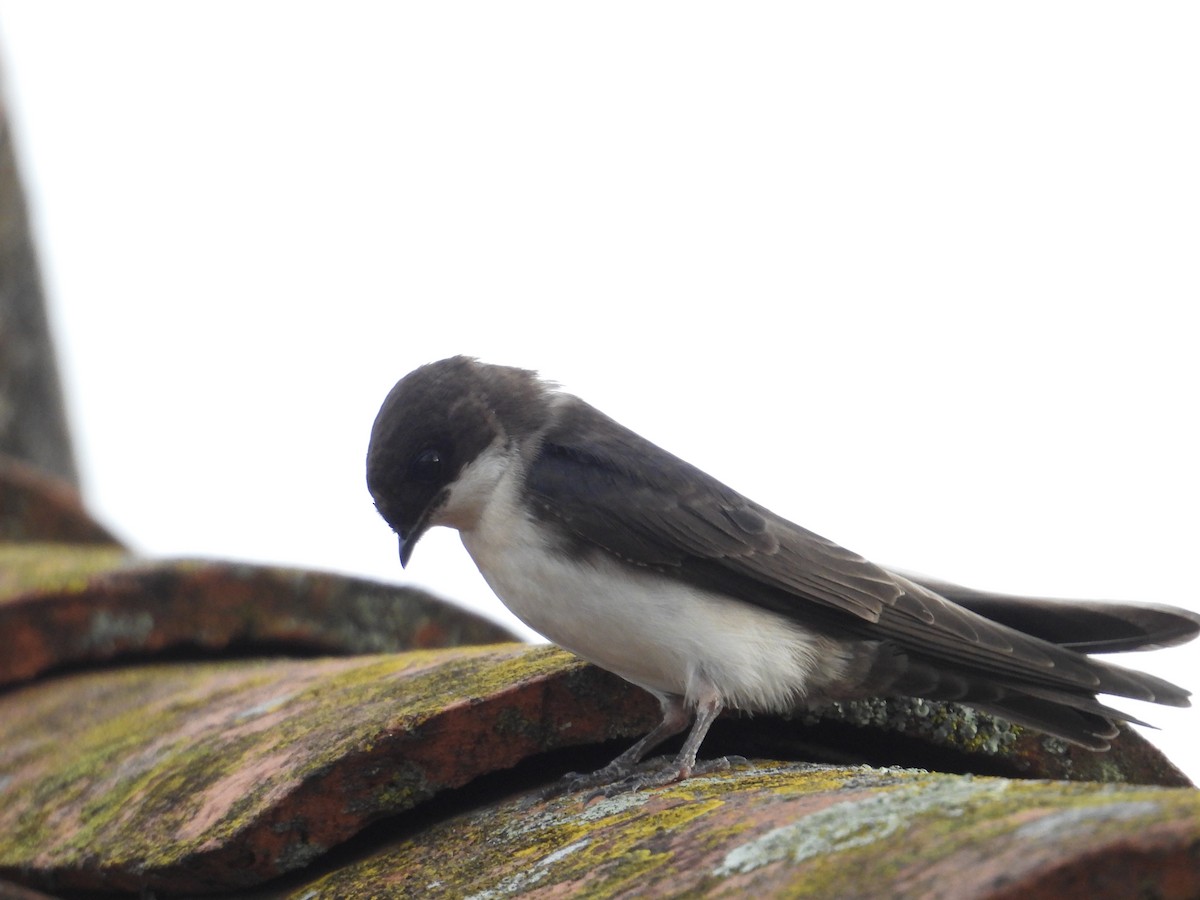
1073	715
1066	707
1088	626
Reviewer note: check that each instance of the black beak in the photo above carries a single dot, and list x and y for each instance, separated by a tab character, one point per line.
409	537
406	547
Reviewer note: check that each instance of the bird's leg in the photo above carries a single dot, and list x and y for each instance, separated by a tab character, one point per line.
620	776
675	719
684	765
706	713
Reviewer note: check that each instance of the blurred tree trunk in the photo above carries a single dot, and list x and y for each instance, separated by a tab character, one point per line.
33	423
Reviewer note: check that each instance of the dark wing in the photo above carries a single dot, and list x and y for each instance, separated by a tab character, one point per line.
612	489
1087	626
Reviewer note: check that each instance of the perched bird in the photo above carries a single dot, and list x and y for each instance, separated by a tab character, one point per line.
641	563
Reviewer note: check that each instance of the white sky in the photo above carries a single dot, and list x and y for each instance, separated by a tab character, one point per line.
922	277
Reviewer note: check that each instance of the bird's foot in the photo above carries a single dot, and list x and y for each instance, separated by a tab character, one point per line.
620	778
616	771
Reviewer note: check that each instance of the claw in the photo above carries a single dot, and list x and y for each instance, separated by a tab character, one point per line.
614	779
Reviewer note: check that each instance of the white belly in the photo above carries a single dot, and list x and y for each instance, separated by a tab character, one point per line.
652	630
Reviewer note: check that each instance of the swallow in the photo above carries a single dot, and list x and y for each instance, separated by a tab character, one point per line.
628	556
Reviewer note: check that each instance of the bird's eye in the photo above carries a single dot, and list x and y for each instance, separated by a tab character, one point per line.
426	466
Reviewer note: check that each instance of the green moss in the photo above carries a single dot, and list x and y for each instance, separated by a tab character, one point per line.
26	567
104	766
856	846
619	846
136	776
845	832
939	722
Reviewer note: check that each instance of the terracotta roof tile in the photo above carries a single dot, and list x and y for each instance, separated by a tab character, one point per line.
65	606
790	829
223	774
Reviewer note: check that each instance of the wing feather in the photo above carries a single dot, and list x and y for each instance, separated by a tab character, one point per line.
611	489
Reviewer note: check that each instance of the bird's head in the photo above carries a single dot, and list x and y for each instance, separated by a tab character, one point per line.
436	422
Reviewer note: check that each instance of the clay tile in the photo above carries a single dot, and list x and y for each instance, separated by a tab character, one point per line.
70	606
793	830
216	775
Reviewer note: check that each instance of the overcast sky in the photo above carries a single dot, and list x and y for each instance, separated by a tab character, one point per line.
921	277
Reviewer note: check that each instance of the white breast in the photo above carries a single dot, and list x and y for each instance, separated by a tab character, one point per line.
650	629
